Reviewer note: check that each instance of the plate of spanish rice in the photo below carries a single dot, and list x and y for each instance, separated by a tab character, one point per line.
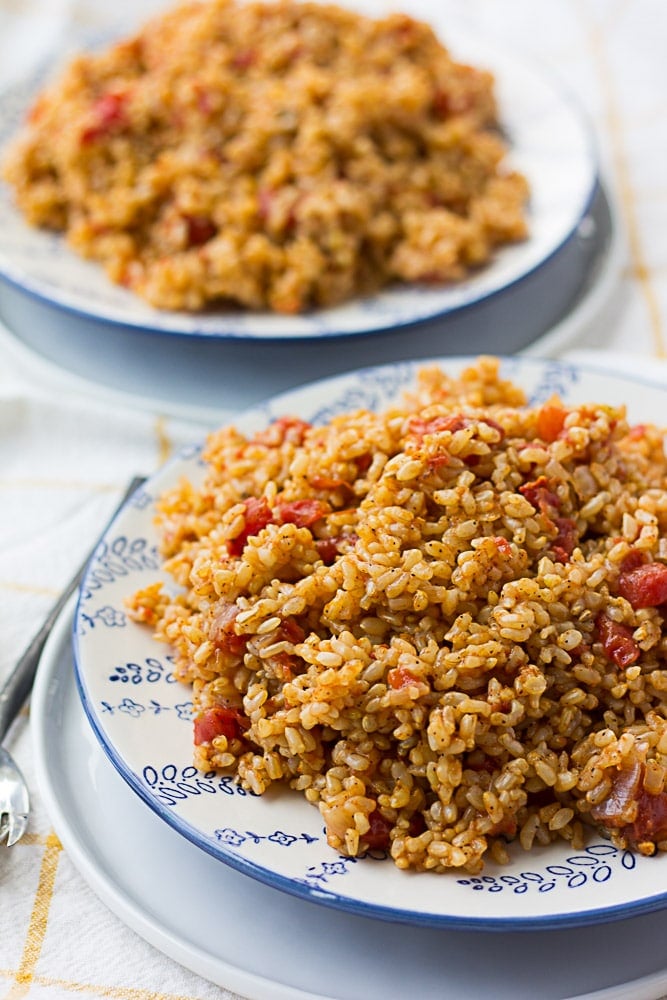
394	643
270	170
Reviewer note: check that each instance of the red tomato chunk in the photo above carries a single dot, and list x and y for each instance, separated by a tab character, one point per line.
291	631
644	586
287	428
223	633
651	821
329	548
503	546
401	677
550	420
628	797
377	838
617	642
200	229
258	515
109	114
566	539
303	513
540	495
219	721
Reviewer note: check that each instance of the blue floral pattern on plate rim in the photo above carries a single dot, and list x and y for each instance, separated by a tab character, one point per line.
550	141
142	716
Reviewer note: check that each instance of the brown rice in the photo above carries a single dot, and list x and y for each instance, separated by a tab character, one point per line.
441	624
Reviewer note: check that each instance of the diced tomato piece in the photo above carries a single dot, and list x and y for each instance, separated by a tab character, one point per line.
539	494
580	650
644	586
303	513
258	514
244	58
627	791
223	633
287	666
291	631
441	104
144	613
329	483
550	421
444	104
617	641
203	96
108	114
612	811
452	422
400	677
417	824
503	546
200	229
377	837
265	198
363	462
327	549
633	559
566	539
651	821
505	828
291	429
219	721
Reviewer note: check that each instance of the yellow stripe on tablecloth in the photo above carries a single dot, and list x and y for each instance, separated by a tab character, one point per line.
24	977
39	917
164	442
32	839
27	588
640	269
113	992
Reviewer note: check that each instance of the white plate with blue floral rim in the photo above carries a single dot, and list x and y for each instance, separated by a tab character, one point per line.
268	945
143	717
550	142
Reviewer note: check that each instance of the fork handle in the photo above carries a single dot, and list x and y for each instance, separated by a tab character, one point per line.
18	685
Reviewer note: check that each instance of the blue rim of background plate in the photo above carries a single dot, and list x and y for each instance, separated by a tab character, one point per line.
557	920
34	292
35	289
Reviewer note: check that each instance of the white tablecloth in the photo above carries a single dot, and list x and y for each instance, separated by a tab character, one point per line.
64	460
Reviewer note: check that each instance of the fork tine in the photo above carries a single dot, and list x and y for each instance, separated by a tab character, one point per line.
14	800
17	826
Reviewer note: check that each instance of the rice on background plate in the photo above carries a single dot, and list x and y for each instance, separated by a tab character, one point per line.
278	156
441	623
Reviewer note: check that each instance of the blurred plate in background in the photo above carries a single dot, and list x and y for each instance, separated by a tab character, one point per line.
66	310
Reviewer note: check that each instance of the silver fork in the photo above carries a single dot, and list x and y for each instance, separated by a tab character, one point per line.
14	797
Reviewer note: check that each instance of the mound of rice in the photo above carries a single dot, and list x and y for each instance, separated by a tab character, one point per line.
442	624
273	155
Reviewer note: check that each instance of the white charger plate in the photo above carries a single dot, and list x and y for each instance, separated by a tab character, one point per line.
143	718
209	918
550	142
